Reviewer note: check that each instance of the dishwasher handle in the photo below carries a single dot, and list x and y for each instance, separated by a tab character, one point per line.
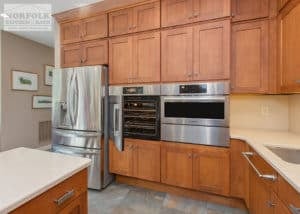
259	174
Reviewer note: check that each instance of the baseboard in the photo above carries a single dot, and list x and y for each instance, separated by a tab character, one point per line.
197	195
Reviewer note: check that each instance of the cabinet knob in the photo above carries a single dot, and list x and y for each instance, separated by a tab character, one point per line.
271	204
189	155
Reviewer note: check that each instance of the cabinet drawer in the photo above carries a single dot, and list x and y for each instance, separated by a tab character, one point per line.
265	169
48	202
287	193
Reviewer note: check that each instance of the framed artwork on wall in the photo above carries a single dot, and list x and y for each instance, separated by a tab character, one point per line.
41	102
48	74
24	81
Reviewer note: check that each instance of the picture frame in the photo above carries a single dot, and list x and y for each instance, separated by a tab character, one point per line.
48	74
24	81
41	102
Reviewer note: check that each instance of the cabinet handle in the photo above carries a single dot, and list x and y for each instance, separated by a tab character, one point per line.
271	204
232	14
190	74
65	197
294	209
190	156
267	177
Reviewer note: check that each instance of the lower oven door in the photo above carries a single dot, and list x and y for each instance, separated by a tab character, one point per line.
94	170
195	110
205	135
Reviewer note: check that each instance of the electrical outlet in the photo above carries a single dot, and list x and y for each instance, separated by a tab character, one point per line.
265	110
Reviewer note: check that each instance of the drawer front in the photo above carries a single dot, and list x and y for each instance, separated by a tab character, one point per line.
288	194
58	197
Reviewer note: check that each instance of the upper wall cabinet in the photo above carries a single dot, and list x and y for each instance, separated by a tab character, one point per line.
249	56
249	9
201	52
289	50
135	19
176	12
84	30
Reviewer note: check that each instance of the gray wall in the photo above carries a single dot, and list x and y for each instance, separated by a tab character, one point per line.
19	123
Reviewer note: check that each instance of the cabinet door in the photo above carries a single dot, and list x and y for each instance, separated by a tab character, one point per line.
121	162
95	52
208	9
71	32
211	170
260	196
177	54
249	9
147	160
77	206
176	12
146	56
250	57
212	51
120	60
121	22
95	27
239	171
176	165
289	50
71	55
146	17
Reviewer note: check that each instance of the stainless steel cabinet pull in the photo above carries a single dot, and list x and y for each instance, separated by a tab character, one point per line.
65	197
294	209
268	177
271	204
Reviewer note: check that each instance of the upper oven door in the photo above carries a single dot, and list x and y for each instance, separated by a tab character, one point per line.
195	110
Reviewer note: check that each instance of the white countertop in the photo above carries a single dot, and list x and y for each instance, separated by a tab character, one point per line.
26	173
257	139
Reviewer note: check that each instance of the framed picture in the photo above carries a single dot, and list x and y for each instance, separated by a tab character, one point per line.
48	74
41	102
24	81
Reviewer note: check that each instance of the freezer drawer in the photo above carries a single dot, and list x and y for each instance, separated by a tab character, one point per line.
90	140
94	171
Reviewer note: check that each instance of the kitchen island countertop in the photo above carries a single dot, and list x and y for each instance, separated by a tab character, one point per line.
26	173
259	139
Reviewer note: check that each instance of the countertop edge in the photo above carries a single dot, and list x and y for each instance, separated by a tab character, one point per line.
29	197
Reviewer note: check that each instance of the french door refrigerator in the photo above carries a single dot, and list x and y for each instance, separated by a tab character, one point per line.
80	120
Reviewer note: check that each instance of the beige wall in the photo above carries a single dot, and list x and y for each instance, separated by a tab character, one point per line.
259	112
294	106
19	120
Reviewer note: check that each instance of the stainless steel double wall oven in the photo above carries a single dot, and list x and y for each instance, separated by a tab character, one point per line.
195	113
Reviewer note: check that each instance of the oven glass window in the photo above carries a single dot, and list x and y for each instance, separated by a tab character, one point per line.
210	110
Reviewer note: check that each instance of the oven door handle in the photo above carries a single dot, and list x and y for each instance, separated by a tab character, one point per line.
200	99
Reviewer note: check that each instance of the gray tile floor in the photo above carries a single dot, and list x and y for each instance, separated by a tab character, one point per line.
123	199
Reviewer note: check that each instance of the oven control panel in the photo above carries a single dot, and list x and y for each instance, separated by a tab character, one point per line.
133	90
193	89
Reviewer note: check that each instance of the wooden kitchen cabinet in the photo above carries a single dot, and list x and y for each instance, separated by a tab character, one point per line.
83	54
75	203
84	29
177	165
249	54
289	49
249	9
120	60
211	170
280	207
198	53
135	59
135	19
140	159
211	46
239	171
177	54
177	12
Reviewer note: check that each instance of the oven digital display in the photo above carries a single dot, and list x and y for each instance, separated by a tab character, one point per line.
193	89
133	90
213	110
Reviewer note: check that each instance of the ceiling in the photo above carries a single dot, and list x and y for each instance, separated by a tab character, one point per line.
46	37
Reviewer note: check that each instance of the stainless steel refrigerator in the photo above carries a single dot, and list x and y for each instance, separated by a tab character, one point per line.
80	118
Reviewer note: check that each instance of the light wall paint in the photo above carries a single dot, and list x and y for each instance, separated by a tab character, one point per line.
294	106
246	112
19	121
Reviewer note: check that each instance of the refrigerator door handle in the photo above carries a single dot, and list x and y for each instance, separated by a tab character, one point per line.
70	100
117	127
76	97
